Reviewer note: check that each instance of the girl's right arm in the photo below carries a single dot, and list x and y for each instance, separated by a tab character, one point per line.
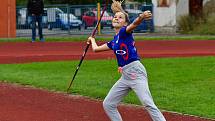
97	48
145	15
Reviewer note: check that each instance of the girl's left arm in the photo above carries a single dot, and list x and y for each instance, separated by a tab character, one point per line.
145	15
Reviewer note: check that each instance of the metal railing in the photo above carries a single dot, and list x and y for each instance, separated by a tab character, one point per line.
70	19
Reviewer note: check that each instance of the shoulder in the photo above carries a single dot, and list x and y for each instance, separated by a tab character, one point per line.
124	32
123	29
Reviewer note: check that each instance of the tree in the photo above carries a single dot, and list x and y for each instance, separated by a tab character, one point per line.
196	8
141	1
73	2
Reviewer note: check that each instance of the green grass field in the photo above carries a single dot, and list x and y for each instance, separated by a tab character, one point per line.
184	85
108	38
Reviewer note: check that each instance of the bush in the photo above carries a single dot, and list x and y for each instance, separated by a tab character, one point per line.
207	28
209	8
205	25
186	23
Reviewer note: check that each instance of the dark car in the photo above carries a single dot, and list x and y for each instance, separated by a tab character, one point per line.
90	19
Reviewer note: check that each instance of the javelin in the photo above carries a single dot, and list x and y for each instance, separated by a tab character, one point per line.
88	45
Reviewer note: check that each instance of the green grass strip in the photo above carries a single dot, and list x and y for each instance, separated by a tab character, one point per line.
108	38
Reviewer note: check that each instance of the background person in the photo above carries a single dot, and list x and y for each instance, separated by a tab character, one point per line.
35	10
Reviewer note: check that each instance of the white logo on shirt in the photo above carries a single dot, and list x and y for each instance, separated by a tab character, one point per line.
120	52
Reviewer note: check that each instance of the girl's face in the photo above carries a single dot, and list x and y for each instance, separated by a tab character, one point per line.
119	20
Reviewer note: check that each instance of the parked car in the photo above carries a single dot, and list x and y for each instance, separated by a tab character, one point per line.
58	19
146	25
24	21
90	19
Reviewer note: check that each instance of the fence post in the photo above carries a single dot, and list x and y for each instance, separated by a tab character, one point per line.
98	17
68	18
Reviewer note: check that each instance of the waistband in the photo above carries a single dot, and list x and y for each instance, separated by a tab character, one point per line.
137	62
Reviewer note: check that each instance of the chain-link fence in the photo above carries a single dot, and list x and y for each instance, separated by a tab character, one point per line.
72	19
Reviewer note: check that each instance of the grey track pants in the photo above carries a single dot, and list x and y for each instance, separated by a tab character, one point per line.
133	77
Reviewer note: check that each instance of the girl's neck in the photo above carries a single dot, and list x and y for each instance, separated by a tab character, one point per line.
116	30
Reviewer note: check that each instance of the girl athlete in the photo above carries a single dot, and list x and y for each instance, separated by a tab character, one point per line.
134	75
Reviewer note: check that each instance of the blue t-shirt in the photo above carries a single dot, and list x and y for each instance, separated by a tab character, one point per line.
123	47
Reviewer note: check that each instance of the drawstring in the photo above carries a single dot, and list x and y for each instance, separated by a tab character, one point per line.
120	69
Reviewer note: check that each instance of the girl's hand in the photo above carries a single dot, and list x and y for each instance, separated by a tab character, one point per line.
146	15
90	39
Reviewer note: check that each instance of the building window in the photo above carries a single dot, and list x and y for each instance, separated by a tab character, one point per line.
163	3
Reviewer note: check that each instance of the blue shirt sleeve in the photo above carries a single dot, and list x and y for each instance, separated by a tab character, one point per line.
110	44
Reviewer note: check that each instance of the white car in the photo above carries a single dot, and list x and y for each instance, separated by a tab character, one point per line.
52	18
58	19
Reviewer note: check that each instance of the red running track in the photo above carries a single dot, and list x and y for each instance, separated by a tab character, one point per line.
19	103
57	51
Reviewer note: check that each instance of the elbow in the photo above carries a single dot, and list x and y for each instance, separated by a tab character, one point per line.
95	50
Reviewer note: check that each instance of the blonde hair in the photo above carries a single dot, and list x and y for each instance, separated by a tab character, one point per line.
116	6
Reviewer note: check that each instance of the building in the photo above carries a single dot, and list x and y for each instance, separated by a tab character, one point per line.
167	13
8	19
